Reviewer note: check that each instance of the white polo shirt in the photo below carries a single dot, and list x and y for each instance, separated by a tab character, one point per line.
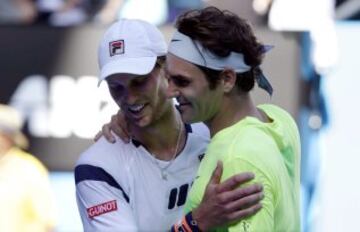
119	186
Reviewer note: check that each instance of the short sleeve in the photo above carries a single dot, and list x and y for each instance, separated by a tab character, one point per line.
102	202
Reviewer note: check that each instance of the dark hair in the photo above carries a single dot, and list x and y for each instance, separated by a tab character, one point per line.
160	61
223	32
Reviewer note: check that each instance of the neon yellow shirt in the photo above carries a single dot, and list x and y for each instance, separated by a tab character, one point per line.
272	152
25	198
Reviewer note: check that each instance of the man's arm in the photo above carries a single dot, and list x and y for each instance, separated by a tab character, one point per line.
264	219
223	203
102	202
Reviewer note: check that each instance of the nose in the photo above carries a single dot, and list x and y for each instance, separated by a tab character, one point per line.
128	97
172	91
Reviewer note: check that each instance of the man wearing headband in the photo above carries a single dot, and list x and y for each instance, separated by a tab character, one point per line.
212	64
143	185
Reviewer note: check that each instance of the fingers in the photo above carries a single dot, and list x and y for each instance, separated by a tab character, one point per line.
106	130
234	181
244	213
97	136
125	137
121	119
216	175
245	202
119	127
242	192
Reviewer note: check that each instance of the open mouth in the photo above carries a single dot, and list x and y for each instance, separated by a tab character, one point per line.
182	105
137	108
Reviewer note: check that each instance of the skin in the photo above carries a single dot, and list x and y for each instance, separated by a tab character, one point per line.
130	90
5	144
198	102
157	122
195	92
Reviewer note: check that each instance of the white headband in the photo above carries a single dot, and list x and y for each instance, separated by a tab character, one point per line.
190	50
184	47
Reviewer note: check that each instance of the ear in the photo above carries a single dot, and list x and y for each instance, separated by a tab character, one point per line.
228	78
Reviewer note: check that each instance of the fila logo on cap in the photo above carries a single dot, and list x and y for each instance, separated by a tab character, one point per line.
116	47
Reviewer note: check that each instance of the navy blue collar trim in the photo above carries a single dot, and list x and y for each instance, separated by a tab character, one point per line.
188	128
135	142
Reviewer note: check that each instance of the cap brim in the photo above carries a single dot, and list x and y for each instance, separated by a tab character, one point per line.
137	66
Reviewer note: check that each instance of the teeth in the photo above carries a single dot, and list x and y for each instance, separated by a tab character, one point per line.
136	108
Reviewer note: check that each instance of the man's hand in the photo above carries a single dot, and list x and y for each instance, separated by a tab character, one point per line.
118	125
226	202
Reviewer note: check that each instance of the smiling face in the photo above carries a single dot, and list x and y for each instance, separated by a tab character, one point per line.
142	98
197	102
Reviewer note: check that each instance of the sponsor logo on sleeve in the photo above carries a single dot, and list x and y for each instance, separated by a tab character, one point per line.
101	209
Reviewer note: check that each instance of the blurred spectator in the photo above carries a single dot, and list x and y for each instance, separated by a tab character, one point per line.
176	7
17	12
71	13
109	11
63	13
25	195
154	12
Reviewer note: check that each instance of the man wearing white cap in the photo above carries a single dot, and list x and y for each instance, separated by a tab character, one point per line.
143	185
25	195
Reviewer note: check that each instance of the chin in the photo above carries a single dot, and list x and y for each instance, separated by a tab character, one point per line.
142	123
187	118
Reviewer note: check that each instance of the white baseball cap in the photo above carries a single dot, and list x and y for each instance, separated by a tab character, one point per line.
130	46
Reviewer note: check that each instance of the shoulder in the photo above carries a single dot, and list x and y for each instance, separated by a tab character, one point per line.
285	126
105	161
254	143
278	114
103	153
104	165
252	147
198	138
28	163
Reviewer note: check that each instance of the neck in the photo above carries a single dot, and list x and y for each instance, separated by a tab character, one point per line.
229	115
162	138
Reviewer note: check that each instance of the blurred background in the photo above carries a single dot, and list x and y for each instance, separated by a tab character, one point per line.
48	71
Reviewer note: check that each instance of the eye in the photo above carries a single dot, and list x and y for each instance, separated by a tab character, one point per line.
116	87
116	90
179	81
139	82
